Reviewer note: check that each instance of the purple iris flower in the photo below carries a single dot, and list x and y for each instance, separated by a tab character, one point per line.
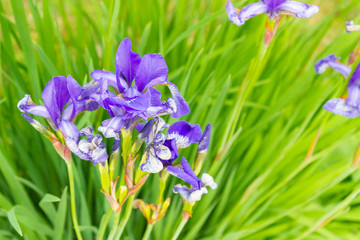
205	139
134	82
198	187
91	149
273	8
351	27
63	100
162	151
332	62
349	107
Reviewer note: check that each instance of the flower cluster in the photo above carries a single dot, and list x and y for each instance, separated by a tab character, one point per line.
133	103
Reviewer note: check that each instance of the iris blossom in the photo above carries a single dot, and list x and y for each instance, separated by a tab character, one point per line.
272	8
135	97
198	187
351	27
64	99
332	62
349	107
90	149
161	151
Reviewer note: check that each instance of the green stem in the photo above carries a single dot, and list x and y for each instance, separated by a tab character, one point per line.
179	228
103	224
126	216
72	200
147	233
115	225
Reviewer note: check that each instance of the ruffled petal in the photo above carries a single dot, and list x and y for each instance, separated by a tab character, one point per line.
351	27
182	107
152	164
332	61
26	105
298	9
232	15
191	195
111	127
339	107
110	78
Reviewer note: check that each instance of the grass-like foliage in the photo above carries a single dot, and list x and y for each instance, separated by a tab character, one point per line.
283	165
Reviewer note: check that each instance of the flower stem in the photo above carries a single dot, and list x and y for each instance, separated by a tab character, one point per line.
180	228
103	225
126	216
72	200
115	225
147	233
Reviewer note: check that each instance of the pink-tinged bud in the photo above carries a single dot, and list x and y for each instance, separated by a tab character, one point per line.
270	32
62	150
112	197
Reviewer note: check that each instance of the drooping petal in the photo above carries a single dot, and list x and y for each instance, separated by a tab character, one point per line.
332	61
69	129
99	155
353	99
252	10
152	70
208	181
110	128
55	97
298	9
26	105
191	195
351	27
355	78
339	107
126	62
232	15
182	107
205	139
152	164
184	133
185	173
171	144
163	152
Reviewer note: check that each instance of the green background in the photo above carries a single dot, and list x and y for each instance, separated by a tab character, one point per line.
264	115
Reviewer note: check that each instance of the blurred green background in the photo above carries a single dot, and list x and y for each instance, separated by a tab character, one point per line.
262	132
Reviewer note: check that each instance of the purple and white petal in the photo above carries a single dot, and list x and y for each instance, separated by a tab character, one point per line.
351	27
163	152
208	181
26	105
110	128
353	99
252	10
110	78
355	78
332	61
205	139
184	133
99	155
152	164
182	107
339	107
152	70
126	62
191	195
298	9
232	15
